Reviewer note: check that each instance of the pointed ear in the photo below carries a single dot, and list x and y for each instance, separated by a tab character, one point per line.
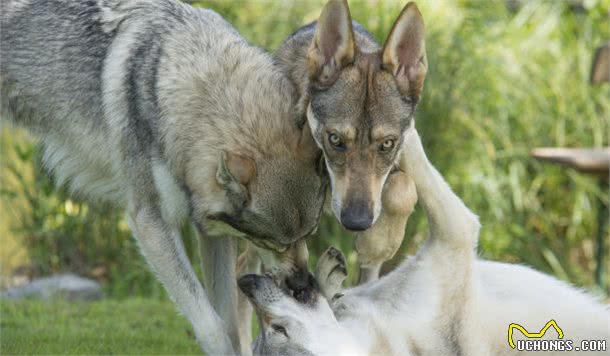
404	52
333	44
235	168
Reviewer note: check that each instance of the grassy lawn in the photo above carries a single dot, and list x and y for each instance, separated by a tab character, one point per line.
130	326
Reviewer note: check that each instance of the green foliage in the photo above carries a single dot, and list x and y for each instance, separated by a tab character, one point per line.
60	233
109	327
508	83
499	84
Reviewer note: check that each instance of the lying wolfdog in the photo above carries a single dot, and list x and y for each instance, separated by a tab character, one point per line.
443	301
163	109
358	98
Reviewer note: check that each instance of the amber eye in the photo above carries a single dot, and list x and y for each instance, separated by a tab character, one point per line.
386	146
336	141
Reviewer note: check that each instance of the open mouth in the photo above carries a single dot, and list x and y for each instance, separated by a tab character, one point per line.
268	244
251	236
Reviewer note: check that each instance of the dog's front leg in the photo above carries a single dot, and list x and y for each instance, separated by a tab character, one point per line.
379	243
219	258
162	247
445	260
450	221
248	262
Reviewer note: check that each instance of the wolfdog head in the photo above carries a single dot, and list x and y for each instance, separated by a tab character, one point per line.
294	327
360	103
258	170
298	317
276	201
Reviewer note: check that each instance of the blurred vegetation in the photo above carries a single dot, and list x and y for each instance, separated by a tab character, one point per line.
60	233
501	81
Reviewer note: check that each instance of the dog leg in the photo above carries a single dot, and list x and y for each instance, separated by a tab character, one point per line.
162	247
379	243
219	258
248	262
370	272
449	253
449	219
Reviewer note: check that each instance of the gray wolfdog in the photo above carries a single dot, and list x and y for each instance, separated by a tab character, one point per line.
442	301
164	110
358	98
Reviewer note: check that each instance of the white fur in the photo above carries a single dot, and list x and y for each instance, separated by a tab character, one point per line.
89	174
174	202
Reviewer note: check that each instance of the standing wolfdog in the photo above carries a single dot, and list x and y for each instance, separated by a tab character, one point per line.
358	98
163	109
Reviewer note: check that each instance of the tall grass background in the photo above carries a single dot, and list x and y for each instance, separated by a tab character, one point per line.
501	81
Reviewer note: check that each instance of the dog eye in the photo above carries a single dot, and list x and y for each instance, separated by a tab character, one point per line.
386	146
336	141
279	329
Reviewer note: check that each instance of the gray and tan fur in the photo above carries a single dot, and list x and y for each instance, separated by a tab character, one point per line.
442	301
164	110
358	98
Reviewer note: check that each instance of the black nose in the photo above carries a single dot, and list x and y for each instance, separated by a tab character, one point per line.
357	218
249	283
301	279
302	284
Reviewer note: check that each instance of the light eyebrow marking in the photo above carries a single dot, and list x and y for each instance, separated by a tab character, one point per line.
382	132
346	131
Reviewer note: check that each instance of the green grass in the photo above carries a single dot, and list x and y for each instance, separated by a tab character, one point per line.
130	326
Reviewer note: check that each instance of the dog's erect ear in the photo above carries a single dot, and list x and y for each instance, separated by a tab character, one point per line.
235	169
333	45
404	52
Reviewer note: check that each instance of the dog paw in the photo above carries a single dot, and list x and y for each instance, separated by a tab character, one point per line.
330	273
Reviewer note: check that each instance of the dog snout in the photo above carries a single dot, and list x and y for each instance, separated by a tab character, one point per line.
357	217
249	284
303	285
